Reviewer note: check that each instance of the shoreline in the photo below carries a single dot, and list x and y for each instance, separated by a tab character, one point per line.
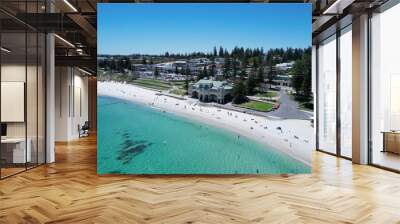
291	137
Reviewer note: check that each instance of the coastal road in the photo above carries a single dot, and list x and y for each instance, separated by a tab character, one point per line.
289	109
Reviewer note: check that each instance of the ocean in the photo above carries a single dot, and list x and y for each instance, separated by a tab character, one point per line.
137	139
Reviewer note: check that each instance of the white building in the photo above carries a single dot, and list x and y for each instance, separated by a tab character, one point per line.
284	66
211	91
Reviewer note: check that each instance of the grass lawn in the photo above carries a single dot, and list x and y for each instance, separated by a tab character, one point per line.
162	85
180	92
256	105
267	94
152	83
178	83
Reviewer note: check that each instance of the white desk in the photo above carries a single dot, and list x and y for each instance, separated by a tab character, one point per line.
18	154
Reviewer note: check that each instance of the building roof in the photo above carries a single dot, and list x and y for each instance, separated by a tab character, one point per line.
213	83
285	65
180	62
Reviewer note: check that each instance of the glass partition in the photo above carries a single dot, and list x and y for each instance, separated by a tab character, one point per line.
13	108
327	95
385	89
23	91
346	92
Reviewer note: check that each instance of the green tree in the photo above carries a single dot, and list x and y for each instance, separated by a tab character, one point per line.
203	73
251	84
307	82
255	62
212	69
301	76
221	52
239	92
242	74
260	75
156	73
235	67
245	61
271	75
186	85
227	67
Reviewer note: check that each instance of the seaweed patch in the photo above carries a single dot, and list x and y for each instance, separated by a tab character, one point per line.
131	148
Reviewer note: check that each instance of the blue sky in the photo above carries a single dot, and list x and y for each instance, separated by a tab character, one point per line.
152	28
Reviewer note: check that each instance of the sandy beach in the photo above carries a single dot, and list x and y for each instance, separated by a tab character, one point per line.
293	137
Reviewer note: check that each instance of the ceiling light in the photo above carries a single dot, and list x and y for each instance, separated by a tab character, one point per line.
70	5
337	7
84	71
5	50
65	41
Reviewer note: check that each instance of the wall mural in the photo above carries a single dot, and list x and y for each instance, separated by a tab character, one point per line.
204	89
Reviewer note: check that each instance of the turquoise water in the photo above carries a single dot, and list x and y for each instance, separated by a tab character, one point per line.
136	139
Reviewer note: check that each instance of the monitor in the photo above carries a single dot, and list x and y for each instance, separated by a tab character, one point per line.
3	129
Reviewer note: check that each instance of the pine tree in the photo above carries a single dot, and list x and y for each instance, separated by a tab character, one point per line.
227	67
239	92
242	74
260	75
301	76
235	67
251	85
156	73
203	73
221	52
271	75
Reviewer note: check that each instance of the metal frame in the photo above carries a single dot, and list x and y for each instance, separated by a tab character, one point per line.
338	75
369	113
316	97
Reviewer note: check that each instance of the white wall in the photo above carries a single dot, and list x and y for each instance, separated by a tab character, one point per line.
71	102
33	126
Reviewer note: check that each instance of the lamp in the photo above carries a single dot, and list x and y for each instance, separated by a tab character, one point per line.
5	50
64	40
70	5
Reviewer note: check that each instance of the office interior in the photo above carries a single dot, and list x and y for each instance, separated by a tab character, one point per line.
48	80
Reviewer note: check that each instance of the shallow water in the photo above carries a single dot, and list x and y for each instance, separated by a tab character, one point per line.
136	139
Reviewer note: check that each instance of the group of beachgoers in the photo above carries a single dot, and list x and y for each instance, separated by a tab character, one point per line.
158	100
